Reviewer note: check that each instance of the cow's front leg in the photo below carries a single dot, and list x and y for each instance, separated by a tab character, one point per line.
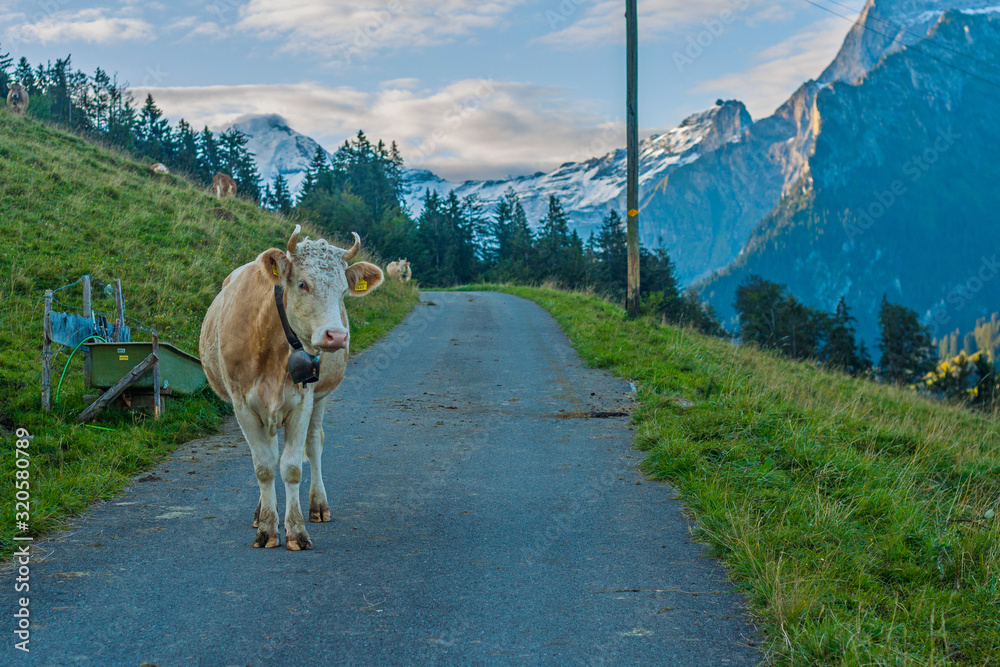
296	429
264	449
319	509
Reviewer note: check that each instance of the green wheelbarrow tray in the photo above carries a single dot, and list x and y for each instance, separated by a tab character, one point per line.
110	362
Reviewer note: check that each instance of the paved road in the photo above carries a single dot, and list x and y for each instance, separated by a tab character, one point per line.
481	516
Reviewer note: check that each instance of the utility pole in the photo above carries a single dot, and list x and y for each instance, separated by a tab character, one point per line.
632	169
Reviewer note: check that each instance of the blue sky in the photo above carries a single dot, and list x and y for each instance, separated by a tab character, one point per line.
468	89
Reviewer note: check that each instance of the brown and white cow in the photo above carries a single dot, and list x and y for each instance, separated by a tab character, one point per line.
245	353
17	99
223	185
159	168
400	270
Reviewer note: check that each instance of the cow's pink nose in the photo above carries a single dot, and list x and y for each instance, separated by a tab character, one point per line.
335	340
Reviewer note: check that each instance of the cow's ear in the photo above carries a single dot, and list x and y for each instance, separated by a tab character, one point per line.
275	266
363	278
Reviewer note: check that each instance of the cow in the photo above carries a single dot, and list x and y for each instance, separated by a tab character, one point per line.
252	360
223	185
400	270
17	99
159	168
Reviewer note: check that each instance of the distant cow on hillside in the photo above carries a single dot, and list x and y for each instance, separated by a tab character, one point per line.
159	168
17	99
274	343
400	270
223	186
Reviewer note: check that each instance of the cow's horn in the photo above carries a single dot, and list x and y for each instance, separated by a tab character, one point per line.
353	250
293	242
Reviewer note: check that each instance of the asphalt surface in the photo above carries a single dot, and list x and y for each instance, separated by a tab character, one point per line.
487	510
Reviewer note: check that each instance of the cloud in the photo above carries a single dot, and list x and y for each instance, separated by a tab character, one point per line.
787	64
604	21
87	25
473	128
348	31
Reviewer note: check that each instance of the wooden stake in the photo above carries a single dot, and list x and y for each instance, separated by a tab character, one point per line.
119	311
632	150
116	391
47	353
156	376
86	313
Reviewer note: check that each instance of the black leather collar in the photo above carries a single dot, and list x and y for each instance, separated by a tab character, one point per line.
302	366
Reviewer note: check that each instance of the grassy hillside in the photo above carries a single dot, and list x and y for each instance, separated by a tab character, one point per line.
862	521
68	208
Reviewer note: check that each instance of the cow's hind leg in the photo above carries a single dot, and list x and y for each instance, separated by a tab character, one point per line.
319	508
296	429
264	448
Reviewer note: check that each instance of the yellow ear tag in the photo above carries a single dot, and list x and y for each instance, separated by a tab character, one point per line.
274	269
361	285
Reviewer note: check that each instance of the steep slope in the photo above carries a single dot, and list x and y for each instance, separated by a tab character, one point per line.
902	197
885	27
68	208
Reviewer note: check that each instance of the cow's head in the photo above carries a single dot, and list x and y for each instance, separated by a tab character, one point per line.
315	276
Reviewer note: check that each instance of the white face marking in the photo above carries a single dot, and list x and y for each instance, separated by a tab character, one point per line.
316	291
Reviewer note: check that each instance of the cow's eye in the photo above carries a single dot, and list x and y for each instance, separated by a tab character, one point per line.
303	286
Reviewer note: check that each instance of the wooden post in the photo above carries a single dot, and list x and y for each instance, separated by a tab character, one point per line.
119	311
632	150
86	313
156	376
47	353
116	391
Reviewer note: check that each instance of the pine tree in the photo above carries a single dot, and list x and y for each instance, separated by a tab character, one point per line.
282	196
186	157
319	167
239	163
841	351
612	252
5	64
26	76
209	158
907	352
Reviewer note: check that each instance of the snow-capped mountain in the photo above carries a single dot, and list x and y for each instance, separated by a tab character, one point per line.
589	189
278	148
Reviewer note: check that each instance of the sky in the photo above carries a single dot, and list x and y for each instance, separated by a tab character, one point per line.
481	89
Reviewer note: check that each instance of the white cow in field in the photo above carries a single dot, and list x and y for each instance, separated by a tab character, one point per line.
17	99
250	359
400	270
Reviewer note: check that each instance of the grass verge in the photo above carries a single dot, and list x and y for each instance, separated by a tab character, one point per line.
68	208
860	520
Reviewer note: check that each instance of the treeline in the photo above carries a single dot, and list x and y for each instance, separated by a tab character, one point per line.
101	108
772	318
458	241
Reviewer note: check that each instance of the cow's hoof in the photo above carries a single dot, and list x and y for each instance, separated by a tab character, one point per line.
265	540
298	542
319	513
